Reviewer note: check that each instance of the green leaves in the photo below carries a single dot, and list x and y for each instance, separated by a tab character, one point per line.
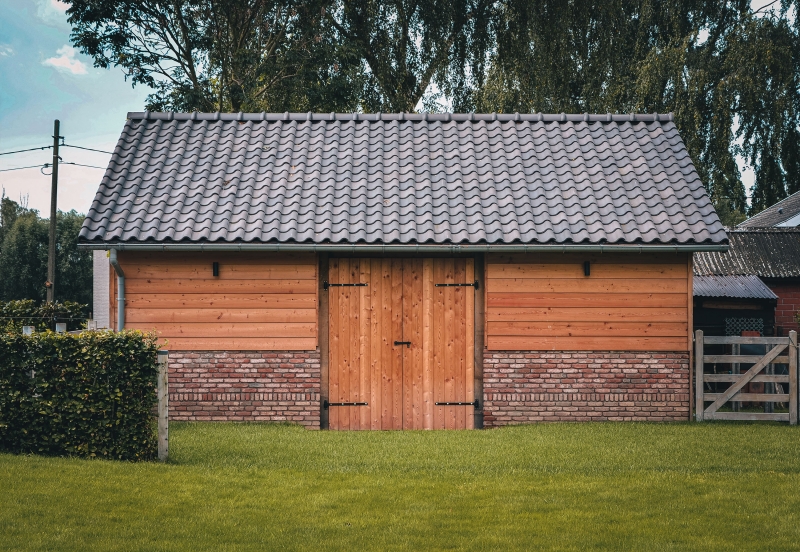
79	395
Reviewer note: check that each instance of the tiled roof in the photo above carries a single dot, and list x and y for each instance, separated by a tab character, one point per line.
401	179
739	287
785	213
767	252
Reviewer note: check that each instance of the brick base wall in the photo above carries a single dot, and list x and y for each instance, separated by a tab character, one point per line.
245	386
536	386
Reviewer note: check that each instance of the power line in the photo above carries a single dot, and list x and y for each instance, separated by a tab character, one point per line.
87	149
80	165
48	165
21	151
62	145
20	168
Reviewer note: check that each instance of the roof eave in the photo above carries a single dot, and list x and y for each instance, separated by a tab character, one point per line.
408	248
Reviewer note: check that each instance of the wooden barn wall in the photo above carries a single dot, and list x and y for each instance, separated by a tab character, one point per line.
259	301
629	302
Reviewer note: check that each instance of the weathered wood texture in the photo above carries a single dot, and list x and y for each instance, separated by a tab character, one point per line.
258	302
627	303
735	394
163	405
401	384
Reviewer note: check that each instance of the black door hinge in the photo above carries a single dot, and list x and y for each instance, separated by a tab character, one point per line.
326	404
476	285
406	343
326	285
476	404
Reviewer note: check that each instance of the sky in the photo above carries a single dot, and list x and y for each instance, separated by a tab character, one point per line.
43	78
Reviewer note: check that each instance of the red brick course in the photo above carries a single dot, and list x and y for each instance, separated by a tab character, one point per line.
788	305
245	386
537	386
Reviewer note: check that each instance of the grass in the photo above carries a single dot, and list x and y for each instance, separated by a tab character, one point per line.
710	486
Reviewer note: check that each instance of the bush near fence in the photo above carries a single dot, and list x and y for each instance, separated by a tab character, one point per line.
42	316
90	394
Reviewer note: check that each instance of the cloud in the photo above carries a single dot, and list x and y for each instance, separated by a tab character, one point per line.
6	50
66	61
53	12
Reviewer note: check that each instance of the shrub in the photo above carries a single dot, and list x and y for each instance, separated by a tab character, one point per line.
90	394
27	312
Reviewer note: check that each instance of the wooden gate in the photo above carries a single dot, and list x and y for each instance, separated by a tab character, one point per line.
780	350
401	343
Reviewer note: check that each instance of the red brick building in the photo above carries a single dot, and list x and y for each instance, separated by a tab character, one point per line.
771	254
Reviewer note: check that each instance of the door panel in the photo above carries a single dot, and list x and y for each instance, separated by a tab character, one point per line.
401	383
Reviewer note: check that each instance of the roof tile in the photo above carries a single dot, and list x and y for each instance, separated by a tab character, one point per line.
277	178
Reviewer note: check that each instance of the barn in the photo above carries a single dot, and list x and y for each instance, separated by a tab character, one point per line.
407	271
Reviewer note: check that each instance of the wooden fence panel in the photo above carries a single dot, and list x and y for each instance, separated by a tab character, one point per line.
780	349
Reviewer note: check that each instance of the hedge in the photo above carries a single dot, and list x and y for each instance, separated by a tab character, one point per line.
90	394
27	312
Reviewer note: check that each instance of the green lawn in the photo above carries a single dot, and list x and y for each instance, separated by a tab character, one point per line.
611	486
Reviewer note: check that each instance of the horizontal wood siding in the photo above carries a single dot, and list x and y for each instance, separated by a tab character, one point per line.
258	301
633	302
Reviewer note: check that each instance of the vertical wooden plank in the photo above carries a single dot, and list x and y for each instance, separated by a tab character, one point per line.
478	333
793	377
396	335
413	404
376	308
386	348
459	343
417	352
427	343
449	360
363	346
344	349
698	375
438	345
354	325
323	332
408	368
469	338
163	405
334	356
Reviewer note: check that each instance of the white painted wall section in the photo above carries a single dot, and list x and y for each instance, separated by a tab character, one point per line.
100	309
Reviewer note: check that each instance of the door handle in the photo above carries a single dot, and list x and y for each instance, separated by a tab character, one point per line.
406	343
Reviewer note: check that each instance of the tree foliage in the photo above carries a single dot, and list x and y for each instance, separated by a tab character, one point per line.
729	73
24	238
730	76
218	55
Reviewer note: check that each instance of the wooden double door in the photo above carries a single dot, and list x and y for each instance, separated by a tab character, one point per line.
401	343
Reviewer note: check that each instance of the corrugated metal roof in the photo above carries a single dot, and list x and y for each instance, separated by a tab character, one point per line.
777	215
739	287
767	252
404	179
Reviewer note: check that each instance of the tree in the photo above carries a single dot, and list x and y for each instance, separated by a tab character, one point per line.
73	266
23	261
23	256
218	55
407	45
729	74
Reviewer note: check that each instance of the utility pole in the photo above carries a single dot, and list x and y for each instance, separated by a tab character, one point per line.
51	252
